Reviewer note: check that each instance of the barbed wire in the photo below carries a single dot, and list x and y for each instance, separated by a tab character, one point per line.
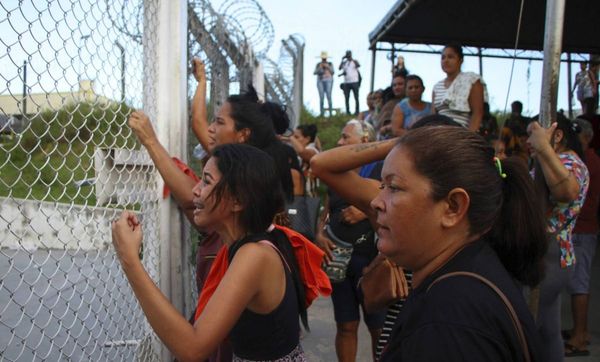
253	22
122	22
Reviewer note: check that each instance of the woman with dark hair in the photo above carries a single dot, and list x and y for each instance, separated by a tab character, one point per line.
260	297
460	95
447	205
304	141
241	119
558	152
412	108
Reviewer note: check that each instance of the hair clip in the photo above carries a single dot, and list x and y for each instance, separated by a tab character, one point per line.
499	167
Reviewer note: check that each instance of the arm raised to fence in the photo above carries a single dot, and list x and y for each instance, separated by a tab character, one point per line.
563	185
178	182
199	113
336	168
246	284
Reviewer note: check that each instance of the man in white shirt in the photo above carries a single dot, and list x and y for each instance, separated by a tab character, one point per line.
352	79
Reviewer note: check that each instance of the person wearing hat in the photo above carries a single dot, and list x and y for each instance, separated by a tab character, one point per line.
324	72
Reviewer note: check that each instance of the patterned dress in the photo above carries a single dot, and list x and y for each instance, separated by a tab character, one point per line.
562	217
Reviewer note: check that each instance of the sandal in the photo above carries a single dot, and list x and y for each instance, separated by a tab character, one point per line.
566	335
572	351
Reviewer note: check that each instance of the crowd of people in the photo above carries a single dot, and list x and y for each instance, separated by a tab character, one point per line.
481	219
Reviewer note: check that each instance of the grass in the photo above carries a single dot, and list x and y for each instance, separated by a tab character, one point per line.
57	148
328	128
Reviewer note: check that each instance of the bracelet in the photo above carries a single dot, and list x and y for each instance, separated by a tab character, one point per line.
562	180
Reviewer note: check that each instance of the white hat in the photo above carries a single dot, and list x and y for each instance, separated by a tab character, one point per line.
324	55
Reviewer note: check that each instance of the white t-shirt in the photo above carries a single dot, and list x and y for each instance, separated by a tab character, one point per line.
351	72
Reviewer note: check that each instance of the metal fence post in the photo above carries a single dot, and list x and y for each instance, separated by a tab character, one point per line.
171	121
298	89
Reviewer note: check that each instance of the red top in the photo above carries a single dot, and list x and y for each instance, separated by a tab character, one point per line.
587	221
186	169
308	256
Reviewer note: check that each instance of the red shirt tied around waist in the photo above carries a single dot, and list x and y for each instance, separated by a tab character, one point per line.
309	258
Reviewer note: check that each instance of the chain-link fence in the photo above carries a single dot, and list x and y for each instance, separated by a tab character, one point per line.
72	72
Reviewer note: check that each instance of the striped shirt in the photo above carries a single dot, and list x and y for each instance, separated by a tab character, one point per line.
442	108
390	320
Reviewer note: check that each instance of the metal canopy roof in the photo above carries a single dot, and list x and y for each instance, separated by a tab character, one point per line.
487	23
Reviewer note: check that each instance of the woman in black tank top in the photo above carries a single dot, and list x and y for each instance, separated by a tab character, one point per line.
259	298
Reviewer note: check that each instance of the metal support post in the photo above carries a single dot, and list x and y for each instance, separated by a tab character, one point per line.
555	11
171	126
373	54
122	49
553	34
24	111
569	85
480	56
393	55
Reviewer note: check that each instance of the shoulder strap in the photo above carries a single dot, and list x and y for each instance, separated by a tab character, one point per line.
267	242
233	248
509	307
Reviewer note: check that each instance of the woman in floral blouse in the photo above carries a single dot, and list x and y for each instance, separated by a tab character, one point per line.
559	155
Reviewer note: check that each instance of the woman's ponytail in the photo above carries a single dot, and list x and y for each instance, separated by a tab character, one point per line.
519	235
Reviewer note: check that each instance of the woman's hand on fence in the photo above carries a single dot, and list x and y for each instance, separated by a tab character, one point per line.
199	70
142	127
199	112
127	237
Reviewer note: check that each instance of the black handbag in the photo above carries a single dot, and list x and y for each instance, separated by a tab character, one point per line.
303	213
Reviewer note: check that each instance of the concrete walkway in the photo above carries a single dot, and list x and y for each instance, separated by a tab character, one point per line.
319	343
593	317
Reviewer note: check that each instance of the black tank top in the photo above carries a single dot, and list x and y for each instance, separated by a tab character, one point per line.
268	336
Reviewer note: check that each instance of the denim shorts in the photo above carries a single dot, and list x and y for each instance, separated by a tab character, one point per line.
347	298
585	248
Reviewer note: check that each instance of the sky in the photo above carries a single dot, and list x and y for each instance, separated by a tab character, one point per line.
326	25
336	26
63	42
